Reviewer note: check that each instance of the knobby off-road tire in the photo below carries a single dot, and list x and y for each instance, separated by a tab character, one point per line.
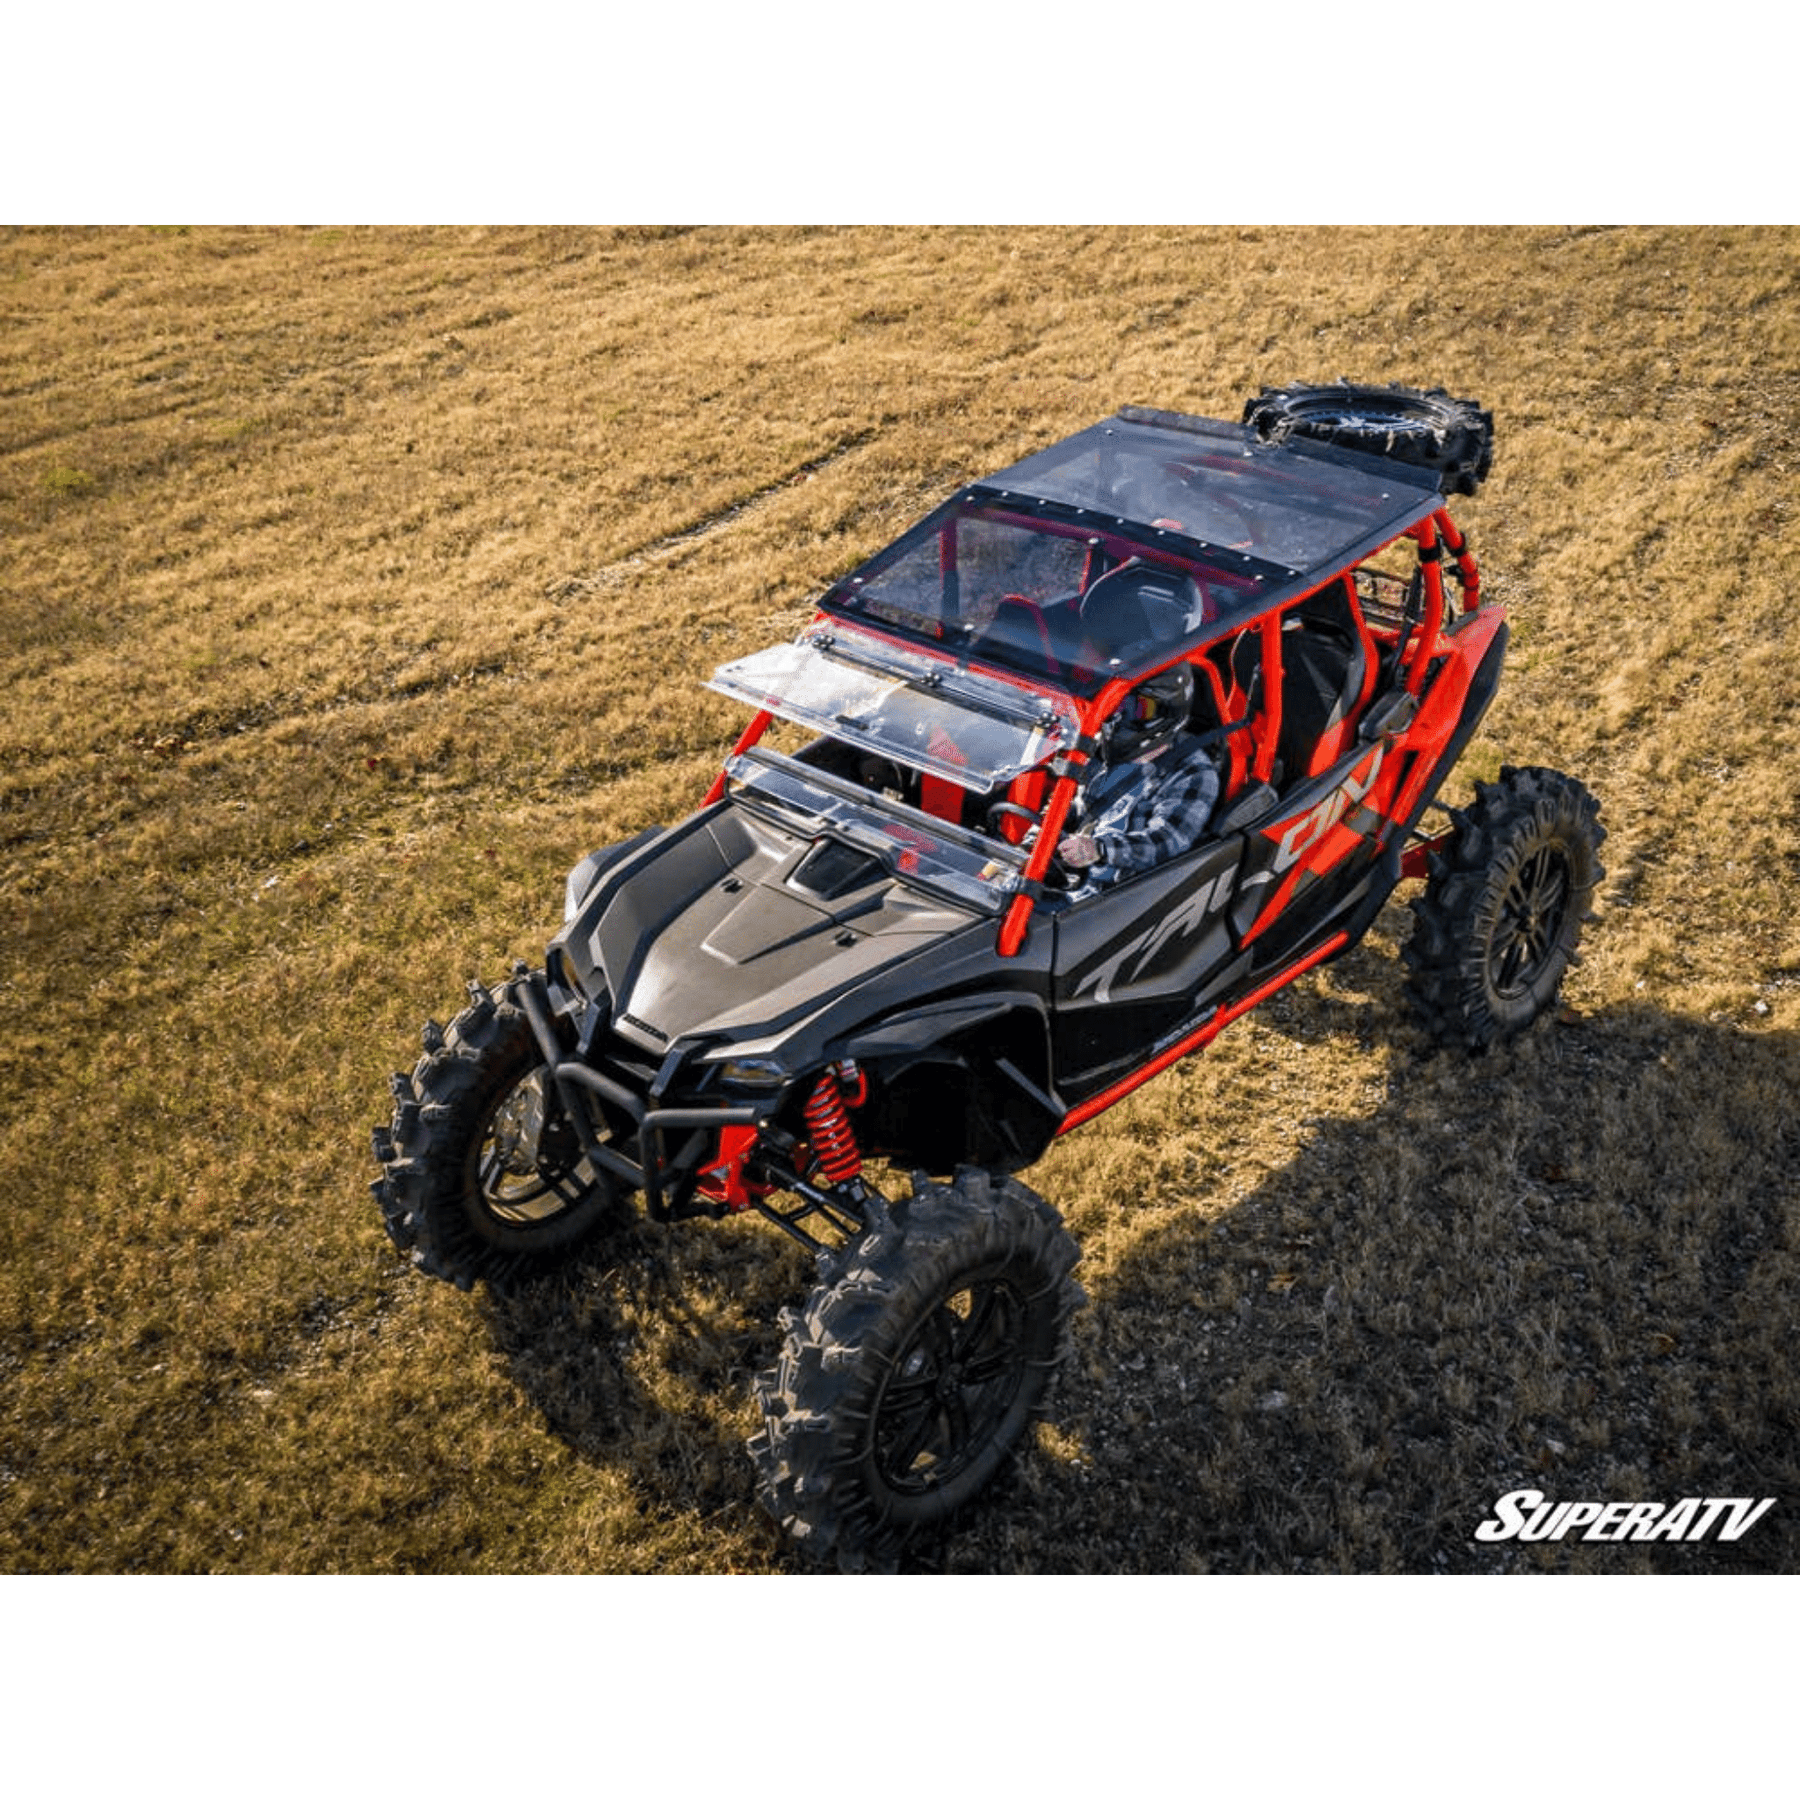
482	1177
1500	919
914	1369
1423	427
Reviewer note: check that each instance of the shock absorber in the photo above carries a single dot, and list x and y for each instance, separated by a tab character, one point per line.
828	1127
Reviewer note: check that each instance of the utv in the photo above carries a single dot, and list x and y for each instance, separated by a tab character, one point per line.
864	945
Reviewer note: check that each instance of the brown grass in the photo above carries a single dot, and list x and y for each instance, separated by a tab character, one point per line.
355	583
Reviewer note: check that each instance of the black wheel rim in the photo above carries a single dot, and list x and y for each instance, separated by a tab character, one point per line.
526	1163
1528	930
1365	421
952	1386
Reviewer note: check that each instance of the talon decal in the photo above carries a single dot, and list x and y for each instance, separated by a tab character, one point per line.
1309	829
1180	921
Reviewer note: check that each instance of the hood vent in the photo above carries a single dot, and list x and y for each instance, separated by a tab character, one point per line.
831	869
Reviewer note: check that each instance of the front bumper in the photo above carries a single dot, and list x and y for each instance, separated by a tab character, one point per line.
661	1150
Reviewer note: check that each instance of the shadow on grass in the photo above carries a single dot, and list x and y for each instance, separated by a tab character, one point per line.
640	1357
1569	1266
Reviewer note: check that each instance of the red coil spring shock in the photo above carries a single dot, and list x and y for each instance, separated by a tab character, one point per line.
828	1125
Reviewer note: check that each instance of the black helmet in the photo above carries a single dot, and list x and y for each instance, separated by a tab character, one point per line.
1135	607
1154	710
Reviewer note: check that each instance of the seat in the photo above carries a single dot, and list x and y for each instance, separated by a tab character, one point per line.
938	794
1327	673
1018	637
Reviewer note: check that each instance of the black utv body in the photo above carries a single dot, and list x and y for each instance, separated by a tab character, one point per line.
864	944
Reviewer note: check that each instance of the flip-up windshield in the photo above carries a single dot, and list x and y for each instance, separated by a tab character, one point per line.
980	871
975	729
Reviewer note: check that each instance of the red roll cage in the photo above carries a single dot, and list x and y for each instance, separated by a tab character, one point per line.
1418	649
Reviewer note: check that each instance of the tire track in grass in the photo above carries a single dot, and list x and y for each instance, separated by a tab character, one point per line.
609	575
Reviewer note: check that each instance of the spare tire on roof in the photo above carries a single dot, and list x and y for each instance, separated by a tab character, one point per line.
1423	427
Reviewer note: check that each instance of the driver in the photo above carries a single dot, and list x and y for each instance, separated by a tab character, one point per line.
1156	789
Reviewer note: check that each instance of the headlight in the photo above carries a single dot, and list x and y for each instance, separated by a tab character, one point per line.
755	1074
560	976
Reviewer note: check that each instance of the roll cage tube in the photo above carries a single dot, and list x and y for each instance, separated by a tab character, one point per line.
1433	537
1431	557
748	737
1468	575
1269	627
1056	810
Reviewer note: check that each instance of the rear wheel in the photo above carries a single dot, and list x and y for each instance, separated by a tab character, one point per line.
1426	428
1500	920
482	1175
914	1369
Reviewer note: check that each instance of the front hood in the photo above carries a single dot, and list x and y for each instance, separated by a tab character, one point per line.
734	926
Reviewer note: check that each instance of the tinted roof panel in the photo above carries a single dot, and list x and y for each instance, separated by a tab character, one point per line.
1296	505
1106	553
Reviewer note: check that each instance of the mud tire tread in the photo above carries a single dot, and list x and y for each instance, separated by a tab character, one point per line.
1457	919
815	1464
1426	428
441	1109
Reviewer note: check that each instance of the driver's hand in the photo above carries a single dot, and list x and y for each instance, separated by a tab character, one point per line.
1078	851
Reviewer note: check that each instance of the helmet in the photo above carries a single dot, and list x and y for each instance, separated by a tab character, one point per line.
1134	608
1153	711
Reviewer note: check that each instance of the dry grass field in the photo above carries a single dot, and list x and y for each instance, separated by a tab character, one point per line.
353	584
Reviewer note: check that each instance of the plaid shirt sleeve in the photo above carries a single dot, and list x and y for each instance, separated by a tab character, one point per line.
1166	821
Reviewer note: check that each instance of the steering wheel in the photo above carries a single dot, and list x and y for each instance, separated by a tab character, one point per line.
879	772
1008	809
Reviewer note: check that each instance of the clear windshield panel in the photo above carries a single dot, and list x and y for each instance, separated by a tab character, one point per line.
971	728
961	864
956	580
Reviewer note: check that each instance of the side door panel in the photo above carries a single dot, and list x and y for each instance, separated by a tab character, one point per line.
1300	862
1130	960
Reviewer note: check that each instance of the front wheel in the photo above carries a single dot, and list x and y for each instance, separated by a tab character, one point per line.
482	1175
1500	920
914	1369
